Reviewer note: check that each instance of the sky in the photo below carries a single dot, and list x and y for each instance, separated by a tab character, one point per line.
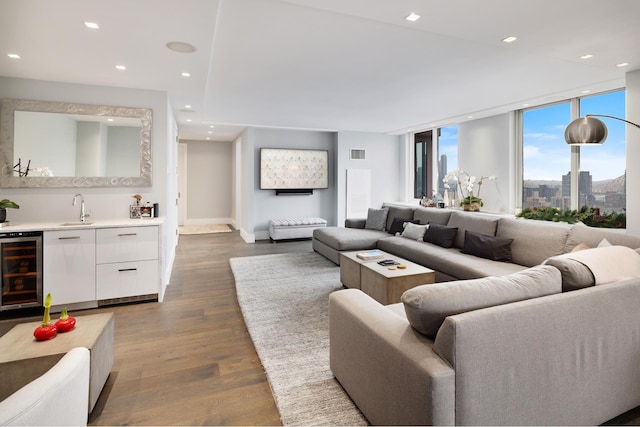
546	155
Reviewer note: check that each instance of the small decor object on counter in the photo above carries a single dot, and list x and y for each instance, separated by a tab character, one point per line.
465	184
46	331
4	205
134	212
138	199
66	322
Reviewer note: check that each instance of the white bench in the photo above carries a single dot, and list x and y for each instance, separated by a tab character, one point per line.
294	228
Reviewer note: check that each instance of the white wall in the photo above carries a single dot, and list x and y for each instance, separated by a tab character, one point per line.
633	151
209	182
54	204
385	158
486	147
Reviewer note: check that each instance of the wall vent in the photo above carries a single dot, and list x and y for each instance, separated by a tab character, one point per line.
357	154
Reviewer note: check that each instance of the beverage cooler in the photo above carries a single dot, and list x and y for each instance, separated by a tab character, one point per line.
21	269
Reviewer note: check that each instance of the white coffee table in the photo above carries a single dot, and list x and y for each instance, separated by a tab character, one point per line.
382	284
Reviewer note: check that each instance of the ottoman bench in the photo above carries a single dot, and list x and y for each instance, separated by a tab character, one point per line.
294	228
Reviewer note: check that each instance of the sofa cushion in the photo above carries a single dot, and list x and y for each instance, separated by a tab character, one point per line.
592	237
575	275
432	215
348	239
397	226
450	264
398	212
533	241
490	247
440	235
377	219
427	306
472	221
414	231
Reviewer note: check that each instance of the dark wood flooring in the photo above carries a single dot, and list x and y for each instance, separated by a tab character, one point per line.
190	360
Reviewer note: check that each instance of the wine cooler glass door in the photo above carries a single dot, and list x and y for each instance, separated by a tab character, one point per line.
21	270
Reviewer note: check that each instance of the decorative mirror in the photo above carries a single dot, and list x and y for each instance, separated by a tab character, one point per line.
57	144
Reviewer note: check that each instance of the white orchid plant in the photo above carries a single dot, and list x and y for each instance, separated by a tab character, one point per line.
466	184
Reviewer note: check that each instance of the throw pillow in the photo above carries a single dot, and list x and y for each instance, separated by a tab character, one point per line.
414	231
397	226
604	243
441	235
427	306
489	247
376	219
580	247
575	275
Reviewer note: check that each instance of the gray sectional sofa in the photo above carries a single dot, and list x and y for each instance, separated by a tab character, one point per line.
496	342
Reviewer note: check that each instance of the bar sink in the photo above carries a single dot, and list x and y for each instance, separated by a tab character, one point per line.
75	223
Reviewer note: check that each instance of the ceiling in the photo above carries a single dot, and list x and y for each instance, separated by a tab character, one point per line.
353	65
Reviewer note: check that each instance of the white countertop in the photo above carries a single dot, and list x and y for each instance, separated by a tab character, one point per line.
18	226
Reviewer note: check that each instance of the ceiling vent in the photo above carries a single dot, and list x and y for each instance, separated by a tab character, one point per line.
357	154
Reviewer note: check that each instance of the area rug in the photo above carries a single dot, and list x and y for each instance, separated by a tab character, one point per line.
204	229
284	301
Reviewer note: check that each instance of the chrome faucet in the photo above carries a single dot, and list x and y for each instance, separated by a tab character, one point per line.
83	214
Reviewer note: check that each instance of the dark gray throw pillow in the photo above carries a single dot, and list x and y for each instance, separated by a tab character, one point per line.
440	235
489	247
377	219
397	226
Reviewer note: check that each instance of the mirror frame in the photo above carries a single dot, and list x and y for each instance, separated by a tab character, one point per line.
7	115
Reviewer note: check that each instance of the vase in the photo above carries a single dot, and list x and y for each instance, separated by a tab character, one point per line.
472	206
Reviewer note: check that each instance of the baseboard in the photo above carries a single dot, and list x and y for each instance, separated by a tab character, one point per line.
261	235
208	221
249	238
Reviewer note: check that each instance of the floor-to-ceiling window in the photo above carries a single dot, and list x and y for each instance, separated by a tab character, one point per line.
547	162
423	142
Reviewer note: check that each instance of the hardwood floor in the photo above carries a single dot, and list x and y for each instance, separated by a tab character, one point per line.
190	360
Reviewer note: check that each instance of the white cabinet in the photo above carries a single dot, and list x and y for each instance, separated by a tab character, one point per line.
127	262
69	265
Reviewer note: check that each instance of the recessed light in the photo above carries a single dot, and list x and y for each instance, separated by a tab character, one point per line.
208	139
210	132
185	74
121	67
585	91
91	25
586	56
469	117
187	106
181	47
525	105
412	17
211	126
13	55
109	119
510	39
188	120
622	64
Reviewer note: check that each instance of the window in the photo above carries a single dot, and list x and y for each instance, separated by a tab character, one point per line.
546	157
446	153
422	179
602	167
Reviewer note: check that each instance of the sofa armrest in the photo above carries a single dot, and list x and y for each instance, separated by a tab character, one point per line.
355	222
389	370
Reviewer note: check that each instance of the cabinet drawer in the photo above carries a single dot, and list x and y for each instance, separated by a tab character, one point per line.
127	279
126	244
69	266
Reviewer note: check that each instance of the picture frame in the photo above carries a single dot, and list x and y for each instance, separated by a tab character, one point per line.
134	211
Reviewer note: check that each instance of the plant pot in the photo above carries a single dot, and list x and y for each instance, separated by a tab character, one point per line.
3	215
472	207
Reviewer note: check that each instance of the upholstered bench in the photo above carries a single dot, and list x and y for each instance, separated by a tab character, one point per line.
294	228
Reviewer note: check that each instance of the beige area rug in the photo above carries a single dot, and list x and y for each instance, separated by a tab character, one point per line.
204	229
284	299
